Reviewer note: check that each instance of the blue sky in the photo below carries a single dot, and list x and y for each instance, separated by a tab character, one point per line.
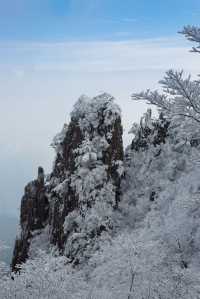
52	51
94	19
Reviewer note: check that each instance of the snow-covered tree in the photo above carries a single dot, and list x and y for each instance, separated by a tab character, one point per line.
149	131
180	99
192	33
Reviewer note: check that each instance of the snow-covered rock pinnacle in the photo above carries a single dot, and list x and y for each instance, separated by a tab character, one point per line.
73	204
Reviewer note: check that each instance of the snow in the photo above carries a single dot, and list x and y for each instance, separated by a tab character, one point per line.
87	111
58	139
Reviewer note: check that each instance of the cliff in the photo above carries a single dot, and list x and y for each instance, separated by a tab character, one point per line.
73	204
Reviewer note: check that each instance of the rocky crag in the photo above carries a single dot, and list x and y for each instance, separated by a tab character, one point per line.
73	205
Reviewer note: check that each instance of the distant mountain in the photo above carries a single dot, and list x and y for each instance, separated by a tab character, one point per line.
8	227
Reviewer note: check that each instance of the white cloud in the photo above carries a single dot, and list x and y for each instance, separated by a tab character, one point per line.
105	56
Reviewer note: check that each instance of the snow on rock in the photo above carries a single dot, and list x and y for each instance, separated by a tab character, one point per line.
84	187
58	139
94	180
89	112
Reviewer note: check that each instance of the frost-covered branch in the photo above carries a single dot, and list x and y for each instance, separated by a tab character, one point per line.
192	33
153	98
175	85
180	97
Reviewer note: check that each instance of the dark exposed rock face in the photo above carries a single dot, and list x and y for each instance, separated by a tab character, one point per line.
63	167
86	175
89	124
154	134
65	159
34	216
